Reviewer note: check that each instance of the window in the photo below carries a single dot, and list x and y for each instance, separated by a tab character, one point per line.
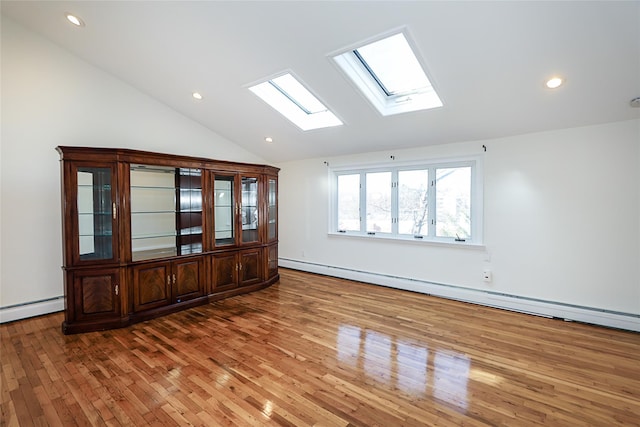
389	74
378	202
413	208
349	202
435	202
294	101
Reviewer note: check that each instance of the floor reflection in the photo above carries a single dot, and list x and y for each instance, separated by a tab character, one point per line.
405	365
451	372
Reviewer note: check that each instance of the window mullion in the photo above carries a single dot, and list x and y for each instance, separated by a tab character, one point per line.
432	202
363	202
394	202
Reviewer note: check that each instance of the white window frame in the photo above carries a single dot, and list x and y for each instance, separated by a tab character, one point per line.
423	99
476	164
293	109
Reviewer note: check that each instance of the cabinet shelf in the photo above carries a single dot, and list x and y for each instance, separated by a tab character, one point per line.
152	212
107	213
189	232
96	187
103	234
153	187
154	236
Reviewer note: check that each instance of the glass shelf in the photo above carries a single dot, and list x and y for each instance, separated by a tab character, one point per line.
154	236
152	212
106	187
89	213
189	233
148	187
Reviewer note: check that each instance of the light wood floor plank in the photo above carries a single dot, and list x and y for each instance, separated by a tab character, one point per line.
316	350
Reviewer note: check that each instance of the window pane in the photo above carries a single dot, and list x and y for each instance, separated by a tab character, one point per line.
413	211
379	202
349	202
299	93
453	202
394	64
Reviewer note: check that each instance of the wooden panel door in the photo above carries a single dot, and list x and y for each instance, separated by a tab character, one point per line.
272	261
224	271
187	279
96	294
250	266
151	285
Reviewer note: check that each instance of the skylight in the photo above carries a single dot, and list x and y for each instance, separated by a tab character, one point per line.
389	74
291	99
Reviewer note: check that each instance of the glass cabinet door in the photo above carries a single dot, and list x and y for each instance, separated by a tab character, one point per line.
96	213
224	206
272	209
249	209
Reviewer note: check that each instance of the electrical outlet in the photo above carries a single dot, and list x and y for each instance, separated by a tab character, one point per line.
486	276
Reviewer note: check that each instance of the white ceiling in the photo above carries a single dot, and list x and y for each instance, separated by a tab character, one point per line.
487	60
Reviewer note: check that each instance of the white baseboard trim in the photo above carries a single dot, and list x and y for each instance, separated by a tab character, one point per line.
31	309
533	306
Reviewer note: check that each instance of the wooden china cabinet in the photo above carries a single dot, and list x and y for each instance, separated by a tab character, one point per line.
147	234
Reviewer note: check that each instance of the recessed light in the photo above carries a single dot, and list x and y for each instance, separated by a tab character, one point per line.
74	20
268	139
197	96
554	82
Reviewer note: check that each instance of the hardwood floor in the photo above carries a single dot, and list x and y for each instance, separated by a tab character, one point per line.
314	350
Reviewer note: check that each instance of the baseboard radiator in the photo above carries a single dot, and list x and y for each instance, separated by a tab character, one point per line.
568	312
31	309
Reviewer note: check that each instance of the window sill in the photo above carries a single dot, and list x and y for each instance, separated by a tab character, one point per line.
449	243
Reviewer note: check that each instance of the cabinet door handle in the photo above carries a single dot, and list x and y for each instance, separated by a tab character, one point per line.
168	280
117	289
115	212
240	266
174	279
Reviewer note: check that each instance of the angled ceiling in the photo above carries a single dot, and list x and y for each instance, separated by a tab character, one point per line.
487	60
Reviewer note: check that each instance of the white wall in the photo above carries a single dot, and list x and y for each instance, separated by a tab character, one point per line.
561	221
51	98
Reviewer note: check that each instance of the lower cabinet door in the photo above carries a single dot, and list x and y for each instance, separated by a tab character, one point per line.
250	266
272	261
187	279
224	268
96	294
151	285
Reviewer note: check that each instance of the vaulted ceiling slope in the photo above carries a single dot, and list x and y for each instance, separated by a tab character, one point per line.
487	60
